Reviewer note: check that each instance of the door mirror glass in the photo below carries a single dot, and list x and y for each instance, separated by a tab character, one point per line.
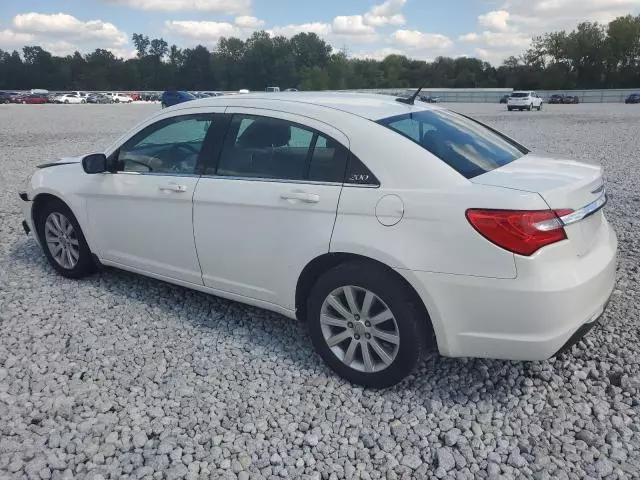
95	163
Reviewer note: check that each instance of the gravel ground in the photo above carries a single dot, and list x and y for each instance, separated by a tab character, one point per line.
120	376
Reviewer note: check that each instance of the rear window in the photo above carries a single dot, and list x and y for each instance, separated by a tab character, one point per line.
465	145
519	94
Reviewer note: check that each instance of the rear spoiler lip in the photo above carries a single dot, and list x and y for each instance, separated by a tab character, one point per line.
586	211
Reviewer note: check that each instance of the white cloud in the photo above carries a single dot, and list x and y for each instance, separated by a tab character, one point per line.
498	39
496	20
351	25
378	54
387	13
419	40
248	22
68	28
202	31
319	28
343	29
9	38
229	7
508	31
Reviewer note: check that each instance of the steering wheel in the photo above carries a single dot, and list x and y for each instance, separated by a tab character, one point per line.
137	162
185	146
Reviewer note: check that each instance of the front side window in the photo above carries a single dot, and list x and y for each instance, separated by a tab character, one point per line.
169	146
465	145
270	148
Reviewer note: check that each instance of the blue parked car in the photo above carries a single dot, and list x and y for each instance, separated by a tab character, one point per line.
174	97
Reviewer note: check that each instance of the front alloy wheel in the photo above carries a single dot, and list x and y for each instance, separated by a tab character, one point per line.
360	329
62	241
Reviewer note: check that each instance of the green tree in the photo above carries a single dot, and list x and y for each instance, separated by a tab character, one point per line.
141	43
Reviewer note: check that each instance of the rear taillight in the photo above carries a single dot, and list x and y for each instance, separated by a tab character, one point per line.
519	231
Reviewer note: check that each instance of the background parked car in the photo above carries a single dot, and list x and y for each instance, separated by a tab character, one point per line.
98	98
5	97
429	99
71	98
524	100
570	99
16	97
504	98
34	98
556	98
117	97
633	98
174	97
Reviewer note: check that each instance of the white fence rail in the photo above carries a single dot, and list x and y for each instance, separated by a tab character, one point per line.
481	95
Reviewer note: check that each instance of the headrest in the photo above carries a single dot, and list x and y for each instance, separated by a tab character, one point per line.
265	133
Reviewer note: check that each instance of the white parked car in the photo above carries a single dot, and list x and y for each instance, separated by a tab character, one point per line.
119	97
73	97
525	100
388	228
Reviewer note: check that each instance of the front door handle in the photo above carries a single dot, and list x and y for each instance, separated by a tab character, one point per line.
173	187
304	197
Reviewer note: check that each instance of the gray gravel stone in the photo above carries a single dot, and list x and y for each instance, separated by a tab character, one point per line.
445	459
411	461
139	439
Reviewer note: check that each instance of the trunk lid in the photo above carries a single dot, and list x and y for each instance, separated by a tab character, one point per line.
563	184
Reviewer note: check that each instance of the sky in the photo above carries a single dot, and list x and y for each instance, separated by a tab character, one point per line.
422	29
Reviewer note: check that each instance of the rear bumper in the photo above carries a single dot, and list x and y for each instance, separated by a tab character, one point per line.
579	334
530	317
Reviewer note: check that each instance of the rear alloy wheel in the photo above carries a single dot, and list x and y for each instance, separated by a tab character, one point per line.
62	240
540	107
364	325
530	107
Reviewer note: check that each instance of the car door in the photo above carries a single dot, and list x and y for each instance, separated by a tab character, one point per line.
141	216
269	205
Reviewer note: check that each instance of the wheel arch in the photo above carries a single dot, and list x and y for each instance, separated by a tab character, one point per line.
323	263
41	198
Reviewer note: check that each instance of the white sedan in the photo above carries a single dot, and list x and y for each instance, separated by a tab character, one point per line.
119	97
73	98
389	228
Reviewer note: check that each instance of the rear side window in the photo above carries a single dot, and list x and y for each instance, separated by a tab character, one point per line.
465	145
270	148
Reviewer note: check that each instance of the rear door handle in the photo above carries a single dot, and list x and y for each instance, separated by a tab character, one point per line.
304	197
173	187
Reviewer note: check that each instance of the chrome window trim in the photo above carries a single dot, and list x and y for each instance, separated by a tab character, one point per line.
158	174
282	180
272	180
585	211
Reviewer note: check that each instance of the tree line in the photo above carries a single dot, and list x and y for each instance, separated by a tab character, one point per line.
593	55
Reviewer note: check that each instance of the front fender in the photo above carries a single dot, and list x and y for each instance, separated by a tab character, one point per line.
62	181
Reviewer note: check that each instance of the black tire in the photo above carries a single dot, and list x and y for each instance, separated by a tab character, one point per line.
530	107
509	108
85	265
412	326
540	107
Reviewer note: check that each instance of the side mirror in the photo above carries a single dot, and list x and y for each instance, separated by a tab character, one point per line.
95	163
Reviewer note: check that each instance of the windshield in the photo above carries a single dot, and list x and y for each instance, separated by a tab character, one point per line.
465	145
520	94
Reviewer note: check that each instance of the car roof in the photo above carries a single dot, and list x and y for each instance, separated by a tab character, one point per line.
366	105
